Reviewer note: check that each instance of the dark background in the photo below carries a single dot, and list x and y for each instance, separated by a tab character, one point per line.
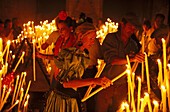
40	10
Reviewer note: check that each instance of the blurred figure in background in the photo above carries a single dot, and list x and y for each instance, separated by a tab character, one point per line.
15	26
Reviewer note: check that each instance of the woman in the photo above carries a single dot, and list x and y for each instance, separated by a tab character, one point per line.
66	39
72	62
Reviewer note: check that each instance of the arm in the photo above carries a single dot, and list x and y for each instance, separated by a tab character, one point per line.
105	82
40	55
138	57
44	45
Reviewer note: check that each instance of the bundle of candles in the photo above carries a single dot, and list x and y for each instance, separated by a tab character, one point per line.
7	81
108	27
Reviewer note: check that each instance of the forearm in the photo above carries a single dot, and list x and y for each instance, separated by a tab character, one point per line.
78	83
44	46
120	61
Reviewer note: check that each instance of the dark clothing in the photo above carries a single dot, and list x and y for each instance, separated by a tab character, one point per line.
109	99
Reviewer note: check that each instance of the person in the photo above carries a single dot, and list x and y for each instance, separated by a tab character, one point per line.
115	48
16	28
145	34
72	62
82	18
1	29
66	39
91	70
159	31
8	31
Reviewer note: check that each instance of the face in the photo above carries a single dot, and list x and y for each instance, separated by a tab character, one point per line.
128	30
64	30
158	22
88	39
9	25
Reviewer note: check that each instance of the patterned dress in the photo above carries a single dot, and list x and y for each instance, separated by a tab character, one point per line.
72	62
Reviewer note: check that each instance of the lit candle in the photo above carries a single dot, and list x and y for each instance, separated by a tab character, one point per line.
34	60
16	85
20	100
12	106
27	91
164	59
139	91
8	44
19	61
1	45
3	93
163	92
147	72
142	105
7	95
20	81
156	105
160	79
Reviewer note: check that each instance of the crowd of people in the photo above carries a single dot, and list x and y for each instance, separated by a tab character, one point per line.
75	59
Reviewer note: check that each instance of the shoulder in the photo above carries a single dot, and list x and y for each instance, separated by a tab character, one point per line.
111	38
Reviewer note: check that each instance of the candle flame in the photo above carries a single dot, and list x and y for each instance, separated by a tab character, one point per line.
163	87
25	104
139	78
17	102
8	42
158	60
155	102
163	40
146	94
17	76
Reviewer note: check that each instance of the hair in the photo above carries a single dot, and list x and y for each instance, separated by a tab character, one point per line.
89	19
1	22
131	18
13	19
67	21
161	16
147	23
84	28
6	22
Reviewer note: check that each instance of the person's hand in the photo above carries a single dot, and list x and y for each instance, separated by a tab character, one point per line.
104	82
139	57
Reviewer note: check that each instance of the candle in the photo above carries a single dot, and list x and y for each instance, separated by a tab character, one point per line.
16	85
20	100
4	101
1	45
156	105
12	106
142	105
19	61
160	79
129	77
147	72
163	92
25	106
19	86
23	79
164	59
27	91
8	44
34	60
0	83
139	91
3	93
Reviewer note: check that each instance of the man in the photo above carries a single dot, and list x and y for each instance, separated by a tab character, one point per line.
159	31
115	48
